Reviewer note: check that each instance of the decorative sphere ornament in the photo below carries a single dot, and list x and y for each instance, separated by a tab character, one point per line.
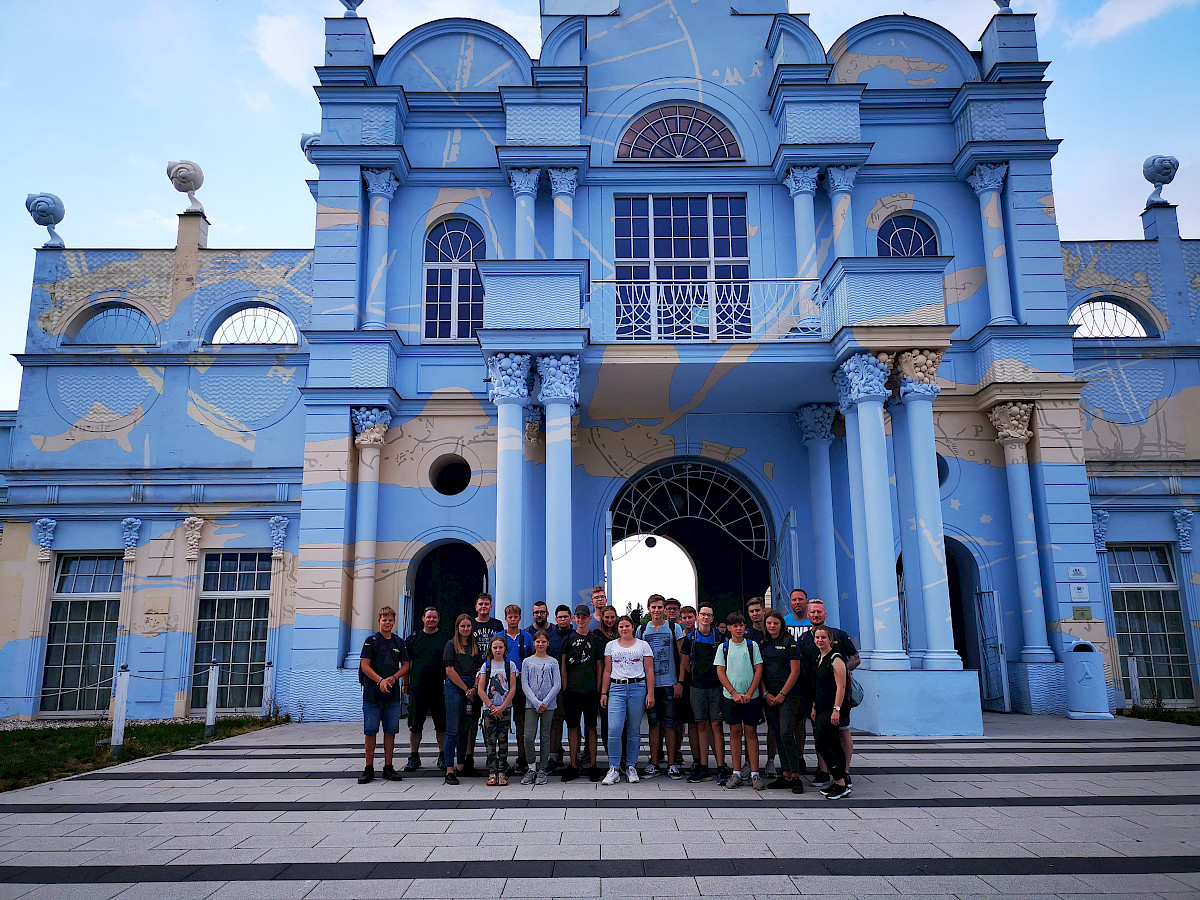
1003	4
47	210
187	178
351	6
1159	170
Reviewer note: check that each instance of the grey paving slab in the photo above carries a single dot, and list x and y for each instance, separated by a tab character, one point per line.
381	889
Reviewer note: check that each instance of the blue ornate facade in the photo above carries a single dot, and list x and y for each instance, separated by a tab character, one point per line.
690	273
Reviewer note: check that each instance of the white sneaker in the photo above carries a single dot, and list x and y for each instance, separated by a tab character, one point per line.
756	782
631	774
613	776
735	780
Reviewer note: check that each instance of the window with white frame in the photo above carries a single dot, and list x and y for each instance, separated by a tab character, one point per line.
453	288
81	640
1105	318
231	627
1148	620
906	235
682	268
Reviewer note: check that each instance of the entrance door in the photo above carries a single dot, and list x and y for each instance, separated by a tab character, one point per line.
448	577
978	629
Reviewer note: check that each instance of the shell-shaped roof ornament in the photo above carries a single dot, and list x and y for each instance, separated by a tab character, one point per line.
1159	171
187	178
47	210
351	6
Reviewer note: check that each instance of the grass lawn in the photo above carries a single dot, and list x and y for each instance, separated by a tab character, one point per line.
33	755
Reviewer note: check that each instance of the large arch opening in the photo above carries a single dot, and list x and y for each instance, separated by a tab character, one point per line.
713	516
975	615
448	577
645	564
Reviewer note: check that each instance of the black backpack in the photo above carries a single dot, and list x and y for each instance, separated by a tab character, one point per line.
374	642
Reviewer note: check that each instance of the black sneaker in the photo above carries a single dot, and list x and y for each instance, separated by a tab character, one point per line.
390	774
821	779
797	785
440	762
469	771
552	764
595	773
722	776
451	778
414	763
519	768
700	773
779	784
367	776
839	791
570	773
849	780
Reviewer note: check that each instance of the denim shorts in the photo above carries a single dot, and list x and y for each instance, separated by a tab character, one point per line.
663	710
387	714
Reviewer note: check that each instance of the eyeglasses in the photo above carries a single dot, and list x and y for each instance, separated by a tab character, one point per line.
706	615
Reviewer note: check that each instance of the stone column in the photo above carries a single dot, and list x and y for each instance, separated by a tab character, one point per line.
987	182
43	536
839	181
509	390
559	394
370	428
912	609
865	386
917	393
816	433
1011	421
562	190
524	187
801	183
381	187
858	524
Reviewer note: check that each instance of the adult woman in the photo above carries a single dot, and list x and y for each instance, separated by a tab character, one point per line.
781	697
831	681
626	688
608	624
608	632
461	659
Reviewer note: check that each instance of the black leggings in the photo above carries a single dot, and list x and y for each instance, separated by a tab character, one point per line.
828	741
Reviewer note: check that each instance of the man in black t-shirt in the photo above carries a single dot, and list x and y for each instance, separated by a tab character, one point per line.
582	659
425	686
483	629
839	643
383	664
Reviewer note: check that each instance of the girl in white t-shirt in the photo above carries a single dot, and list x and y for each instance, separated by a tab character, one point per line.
626	689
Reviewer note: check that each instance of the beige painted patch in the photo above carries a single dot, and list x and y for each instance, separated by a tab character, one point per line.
448	201
963	284
1058	433
888	206
720	452
1048	206
18	582
335	217
413	446
922	82
219	423
991	212
378	214
634	387
100	424
612	453
327	462
852	66
1171	432
1094	632
967	436
769	469
839	215
998	252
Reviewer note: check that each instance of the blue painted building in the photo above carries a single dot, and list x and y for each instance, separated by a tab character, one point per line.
798	307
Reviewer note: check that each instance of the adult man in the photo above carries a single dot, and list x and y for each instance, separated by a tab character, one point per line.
424	685
582	662
483	629
520	645
839	642
699	653
739	669
797	622
383	664
664	640
557	633
599	602
672	608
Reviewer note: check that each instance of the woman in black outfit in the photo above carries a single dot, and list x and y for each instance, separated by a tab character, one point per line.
831	685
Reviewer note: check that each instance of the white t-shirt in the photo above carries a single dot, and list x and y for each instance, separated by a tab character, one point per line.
627	661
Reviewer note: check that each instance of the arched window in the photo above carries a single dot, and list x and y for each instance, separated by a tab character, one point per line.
256	325
453	288
906	235
1105	319
678	132
115	324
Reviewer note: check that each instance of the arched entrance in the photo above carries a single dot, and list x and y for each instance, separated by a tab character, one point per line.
975	615
448	577
711	514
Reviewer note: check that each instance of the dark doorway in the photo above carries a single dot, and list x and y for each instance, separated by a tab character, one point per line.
448	577
727	574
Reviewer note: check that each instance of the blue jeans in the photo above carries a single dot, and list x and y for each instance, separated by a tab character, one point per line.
456	722
626	703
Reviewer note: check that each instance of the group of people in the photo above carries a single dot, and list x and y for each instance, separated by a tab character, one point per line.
594	673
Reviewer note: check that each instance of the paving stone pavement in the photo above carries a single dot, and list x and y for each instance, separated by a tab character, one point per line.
1038	807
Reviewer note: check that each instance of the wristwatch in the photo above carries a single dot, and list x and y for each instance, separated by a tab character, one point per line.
837	709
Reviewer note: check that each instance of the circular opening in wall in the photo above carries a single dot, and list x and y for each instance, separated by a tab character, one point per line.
943	470
450	475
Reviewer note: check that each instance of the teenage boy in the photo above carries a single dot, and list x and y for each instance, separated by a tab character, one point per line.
756	609
664	639
424	685
699	654
809	654
483	629
599	602
739	669
520	645
582	663
683	706
562	628
383	663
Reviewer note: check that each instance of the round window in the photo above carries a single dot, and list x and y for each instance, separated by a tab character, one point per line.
943	470
450	475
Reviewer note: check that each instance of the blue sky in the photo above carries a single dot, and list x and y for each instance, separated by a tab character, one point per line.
96	98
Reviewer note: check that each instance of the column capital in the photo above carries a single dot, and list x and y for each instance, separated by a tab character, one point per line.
987	178
864	377
380	182
912	391
43	536
560	378
278	526
563	181
1100	529
1011	421
370	425
816	422
524	181
509	374
130	527
193	526
1183	527
919	365
840	179
802	180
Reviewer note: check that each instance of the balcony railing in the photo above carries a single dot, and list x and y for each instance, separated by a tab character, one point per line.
727	310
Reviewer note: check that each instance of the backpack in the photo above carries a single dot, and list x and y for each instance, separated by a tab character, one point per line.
854	692
749	649
400	646
488	667
641	635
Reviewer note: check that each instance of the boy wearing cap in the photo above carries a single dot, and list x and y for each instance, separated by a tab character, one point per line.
582	662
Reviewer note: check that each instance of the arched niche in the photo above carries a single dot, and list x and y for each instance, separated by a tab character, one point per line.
792	42
455	55
564	45
893	52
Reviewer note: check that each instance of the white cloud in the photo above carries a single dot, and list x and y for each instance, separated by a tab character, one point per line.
290	45
1115	17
